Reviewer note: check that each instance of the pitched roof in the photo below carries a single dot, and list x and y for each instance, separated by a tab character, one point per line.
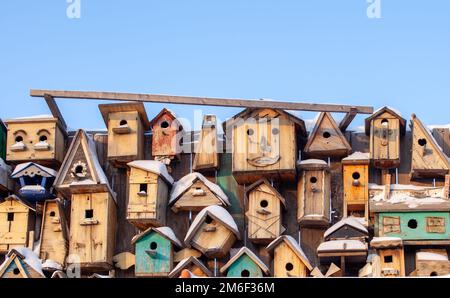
348	221
166	232
186	262
21	170
153	166
357	158
162	112
267	183
290	241
381	111
312	164
139	107
251	255
342	246
26	255
21	201
386	242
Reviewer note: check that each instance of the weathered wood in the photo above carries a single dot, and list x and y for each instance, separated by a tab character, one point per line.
54	109
348	118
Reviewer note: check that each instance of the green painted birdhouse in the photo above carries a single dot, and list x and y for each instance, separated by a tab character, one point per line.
245	264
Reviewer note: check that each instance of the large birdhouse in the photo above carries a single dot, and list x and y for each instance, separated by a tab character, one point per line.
385	128
194	192
265	206
5	183
40	139
192	265
432	262
392	259
327	140
313	192
126	124
207	149
21	263
213	232
149	186
154	250
289	260
166	136
35	181
245	264
264	143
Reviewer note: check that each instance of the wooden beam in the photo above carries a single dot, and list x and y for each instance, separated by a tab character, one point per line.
54	109
208	101
348	118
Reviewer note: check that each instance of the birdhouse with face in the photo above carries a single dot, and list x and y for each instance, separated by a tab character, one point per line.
245	264
35	181
385	128
213	232
21	263
154	250
265	206
39	139
126	124
5	183
264	143
149	186
207	150
167	135
192	265
289	260
313	193
392	259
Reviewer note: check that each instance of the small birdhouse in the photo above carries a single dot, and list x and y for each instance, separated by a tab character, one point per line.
347	228
314	194
385	127
5	183
3	134
149	186
289	260
193	265
265	205
35	181
428	160
432	262
213	232
154	250
245	264
39	139
17	219
264	143
207	149
356	185
194	192
326	140
126	124
21	263
390	251
167	135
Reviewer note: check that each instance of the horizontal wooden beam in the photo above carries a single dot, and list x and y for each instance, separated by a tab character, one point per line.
207	101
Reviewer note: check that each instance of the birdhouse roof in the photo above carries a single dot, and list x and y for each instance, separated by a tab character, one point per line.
381	111
166	232
430	256
251	255
290	241
21	170
313	164
348	221
342	246
267	183
26	255
21	201
153	166
182	185
357	158
139	107
186	262
162	112
386	242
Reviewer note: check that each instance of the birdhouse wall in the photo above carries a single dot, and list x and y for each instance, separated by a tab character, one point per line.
244	267
433	266
213	239
206	153
154	256
287	264
166	137
197	197
19	269
16	220
356	190
385	141
392	262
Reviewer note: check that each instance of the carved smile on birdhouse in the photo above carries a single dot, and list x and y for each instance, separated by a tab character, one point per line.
263	145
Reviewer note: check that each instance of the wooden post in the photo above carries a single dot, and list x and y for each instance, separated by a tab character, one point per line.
31	240
447	186
343	265
387	184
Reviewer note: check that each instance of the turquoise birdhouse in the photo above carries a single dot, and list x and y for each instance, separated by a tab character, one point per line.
245	264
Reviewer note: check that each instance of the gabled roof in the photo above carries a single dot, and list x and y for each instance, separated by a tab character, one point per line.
166	232
139	107
23	169
267	183
162	112
357	158
251	255
186	262
153	166
290	241
348	221
386	242
342	246
21	201
381	111
313	164
26	255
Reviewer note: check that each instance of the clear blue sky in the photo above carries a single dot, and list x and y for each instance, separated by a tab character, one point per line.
314	51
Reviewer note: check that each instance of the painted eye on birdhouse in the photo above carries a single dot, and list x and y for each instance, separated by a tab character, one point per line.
19	139
123	123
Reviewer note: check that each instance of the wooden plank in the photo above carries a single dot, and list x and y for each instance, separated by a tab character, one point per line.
348	118
55	110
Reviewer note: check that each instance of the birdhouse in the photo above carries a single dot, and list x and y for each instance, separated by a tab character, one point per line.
92	205
35	181
390	251
194	192
17	219
245	264
356	185
213	232
314	194
21	263
385	127
3	134
326	140
289	260
265	205
347	228
193	265
154	250
126	124
39	139
149	186
428	160
432	262
207	150
166	135
264	143
5	183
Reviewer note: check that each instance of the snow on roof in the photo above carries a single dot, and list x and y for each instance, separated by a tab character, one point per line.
153	166
357	156
430	256
312	162
20	167
29	257
433	126
385	242
42	116
180	187
294	245
50	264
351	221
183	263
342	245
163	231
251	255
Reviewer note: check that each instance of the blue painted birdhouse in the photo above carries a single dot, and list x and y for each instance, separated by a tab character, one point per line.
245	264
35	181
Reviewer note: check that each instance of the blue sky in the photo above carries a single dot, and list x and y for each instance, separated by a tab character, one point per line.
313	51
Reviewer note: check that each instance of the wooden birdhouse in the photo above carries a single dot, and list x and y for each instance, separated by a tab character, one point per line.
432	262
40	139
326	140
193	265
385	128
149	186
207	150
289	260
356	185
154	250
5	183
21	263
245	264
314	194
265	206
428	160
35	181
92	205
264	143
167	136
126	124
392	259
3	134
17	219
194	192
347	228
213	232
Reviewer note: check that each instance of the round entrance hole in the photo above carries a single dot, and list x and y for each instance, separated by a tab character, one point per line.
164	124
123	122
412	224
208	219
313	180
52	214
356	175
245	273
79	169
434	273
250	132
422	142
153	245
326	135
19	139
42	138
264	203
16	271
289	266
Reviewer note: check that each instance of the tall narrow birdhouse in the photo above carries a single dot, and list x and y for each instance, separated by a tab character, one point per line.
392	259
313	193
154	250
126	124
194	192
193	265
289	260
264	212
245	264
167	135
432	262
327	140
39	139
149	185
213	232
207	149
35	181
21	263
385	127
427	159
356	185
264	143
5	183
